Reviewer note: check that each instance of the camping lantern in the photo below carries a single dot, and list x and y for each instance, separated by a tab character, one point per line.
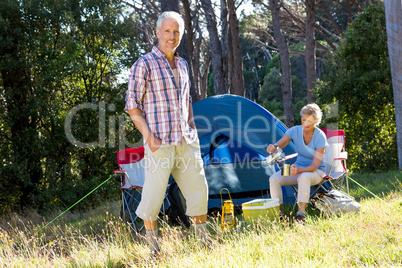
228	219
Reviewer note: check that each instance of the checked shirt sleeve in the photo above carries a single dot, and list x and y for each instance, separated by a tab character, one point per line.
137	82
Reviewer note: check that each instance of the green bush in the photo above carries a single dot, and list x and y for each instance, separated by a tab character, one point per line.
54	57
359	82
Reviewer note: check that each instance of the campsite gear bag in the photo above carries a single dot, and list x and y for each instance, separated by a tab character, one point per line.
335	202
177	210
261	208
228	219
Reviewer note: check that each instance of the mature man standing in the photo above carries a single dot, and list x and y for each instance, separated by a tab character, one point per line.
159	103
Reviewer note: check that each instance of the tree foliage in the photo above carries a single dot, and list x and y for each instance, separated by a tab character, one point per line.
359	81
270	94
55	56
255	37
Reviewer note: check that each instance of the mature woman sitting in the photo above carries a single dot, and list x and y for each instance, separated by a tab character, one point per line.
309	169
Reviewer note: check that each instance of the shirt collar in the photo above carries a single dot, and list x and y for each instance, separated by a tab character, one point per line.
160	54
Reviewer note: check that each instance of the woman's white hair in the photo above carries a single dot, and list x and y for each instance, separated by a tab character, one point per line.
312	109
171	15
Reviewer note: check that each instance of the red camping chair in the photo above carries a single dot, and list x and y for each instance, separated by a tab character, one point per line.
132	175
335	160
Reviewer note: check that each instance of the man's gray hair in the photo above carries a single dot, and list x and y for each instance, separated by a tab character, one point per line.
171	15
313	110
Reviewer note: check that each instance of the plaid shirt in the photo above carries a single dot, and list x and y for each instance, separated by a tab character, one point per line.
163	103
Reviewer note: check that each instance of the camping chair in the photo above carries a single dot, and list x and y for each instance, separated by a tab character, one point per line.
132	175
335	160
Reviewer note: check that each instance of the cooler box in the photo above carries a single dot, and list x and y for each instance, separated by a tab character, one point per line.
264	208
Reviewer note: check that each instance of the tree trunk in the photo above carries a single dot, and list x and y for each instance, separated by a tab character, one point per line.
204	77
202	60
286	81
216	50
350	13
227	64
237	77
193	64
309	52
393	13
170	5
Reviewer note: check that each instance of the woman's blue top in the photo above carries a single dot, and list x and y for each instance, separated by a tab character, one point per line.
306	151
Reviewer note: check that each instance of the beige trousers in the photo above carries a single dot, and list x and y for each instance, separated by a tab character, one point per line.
303	181
185	164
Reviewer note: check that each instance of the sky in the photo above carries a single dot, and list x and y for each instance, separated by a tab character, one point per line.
247	7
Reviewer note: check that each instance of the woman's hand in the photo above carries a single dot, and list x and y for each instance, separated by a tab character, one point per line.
293	170
282	143
271	149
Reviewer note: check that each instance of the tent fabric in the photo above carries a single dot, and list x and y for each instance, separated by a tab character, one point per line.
234	133
240	119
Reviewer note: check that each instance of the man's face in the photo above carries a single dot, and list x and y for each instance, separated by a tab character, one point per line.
169	35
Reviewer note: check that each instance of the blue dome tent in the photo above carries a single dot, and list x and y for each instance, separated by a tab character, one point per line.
234	133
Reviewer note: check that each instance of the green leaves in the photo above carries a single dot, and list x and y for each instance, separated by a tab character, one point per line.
55	55
359	81
271	93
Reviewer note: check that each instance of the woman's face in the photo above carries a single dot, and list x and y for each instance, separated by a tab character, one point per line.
308	122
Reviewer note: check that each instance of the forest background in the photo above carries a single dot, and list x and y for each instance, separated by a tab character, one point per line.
63	77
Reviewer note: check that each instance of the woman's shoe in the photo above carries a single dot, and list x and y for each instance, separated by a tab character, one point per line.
282	216
300	219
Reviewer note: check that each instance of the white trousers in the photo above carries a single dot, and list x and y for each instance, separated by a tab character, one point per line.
303	181
185	164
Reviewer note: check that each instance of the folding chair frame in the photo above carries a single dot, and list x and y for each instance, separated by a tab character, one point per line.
128	201
339	160
131	186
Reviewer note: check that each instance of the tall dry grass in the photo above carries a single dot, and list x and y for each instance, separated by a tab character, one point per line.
98	238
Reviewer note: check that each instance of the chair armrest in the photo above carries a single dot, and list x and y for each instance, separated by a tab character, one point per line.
342	156
288	157
119	175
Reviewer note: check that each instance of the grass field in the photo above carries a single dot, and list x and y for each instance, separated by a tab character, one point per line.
98	238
